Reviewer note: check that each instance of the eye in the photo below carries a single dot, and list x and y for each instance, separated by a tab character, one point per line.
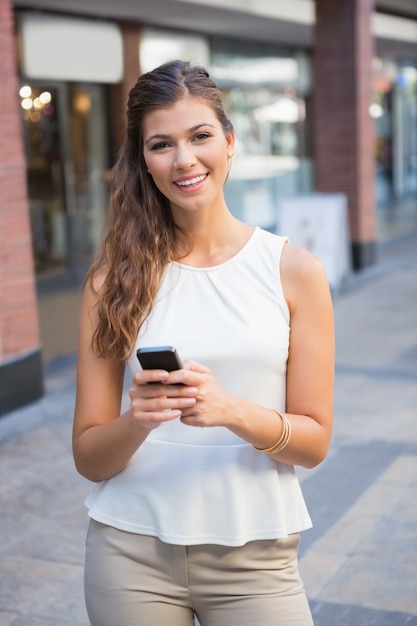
202	136
161	145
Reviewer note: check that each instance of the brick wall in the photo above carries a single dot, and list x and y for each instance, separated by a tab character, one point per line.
131	70
19	334
344	136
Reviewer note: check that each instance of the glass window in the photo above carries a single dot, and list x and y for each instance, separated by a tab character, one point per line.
88	173
45	179
407	77
381	110
65	140
394	109
158	46
266	94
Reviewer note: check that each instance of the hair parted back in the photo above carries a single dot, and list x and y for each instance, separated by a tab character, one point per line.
140	235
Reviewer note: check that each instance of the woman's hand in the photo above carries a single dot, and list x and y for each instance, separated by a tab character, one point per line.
156	398
212	404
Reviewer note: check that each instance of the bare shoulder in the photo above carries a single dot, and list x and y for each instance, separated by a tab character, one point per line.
96	281
93	287
302	274
91	296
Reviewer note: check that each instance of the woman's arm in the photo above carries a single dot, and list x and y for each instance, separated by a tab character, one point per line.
310	374
103	440
310	368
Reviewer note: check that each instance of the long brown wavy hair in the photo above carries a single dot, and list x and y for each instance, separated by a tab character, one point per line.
139	238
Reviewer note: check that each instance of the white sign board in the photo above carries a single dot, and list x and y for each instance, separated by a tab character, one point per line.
318	222
68	48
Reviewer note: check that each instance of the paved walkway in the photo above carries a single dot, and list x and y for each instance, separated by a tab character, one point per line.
359	562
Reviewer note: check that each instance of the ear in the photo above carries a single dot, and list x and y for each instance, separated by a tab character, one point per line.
230	143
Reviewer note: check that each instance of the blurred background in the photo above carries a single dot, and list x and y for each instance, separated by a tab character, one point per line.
323	97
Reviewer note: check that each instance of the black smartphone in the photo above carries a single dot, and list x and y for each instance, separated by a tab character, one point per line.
159	358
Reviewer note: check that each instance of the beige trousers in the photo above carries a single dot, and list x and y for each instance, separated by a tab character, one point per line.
137	580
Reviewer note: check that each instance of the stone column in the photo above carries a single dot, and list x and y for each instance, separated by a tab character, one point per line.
344	129
21	372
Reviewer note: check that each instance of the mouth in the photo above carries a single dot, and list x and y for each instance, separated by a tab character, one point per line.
185	183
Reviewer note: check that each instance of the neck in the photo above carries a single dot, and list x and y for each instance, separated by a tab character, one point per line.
213	242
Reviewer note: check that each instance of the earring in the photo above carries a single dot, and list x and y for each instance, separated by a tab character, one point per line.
230	153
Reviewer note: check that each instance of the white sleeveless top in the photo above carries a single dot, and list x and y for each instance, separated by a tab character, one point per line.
189	485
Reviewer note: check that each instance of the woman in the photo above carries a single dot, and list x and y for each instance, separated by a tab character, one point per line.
196	509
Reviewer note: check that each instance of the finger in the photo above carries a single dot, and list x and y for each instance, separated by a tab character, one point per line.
163	416
153	420
193	420
148	391
143	377
185	377
179	390
194	366
161	405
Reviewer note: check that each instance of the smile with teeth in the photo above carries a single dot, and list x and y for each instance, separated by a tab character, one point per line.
190	181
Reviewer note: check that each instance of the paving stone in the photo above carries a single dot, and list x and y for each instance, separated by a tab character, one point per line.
6	619
42	589
331	614
369	583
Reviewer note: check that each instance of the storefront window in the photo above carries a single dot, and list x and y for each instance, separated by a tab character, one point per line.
158	46
394	109
381	110
67	156
89	175
39	104
266	94
407	81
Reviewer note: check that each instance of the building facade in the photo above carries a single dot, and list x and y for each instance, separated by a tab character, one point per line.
323	97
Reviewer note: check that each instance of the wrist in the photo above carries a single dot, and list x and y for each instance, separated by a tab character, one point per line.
267	430
284	438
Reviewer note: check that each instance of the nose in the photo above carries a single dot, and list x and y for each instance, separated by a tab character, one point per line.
184	157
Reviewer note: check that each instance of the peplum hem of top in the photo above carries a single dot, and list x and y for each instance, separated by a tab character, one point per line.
192	495
177	540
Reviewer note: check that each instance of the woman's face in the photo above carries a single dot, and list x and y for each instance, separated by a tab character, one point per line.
187	154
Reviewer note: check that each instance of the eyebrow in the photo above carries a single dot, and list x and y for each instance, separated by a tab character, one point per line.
190	130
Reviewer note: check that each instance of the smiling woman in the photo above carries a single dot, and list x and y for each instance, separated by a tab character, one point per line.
198	470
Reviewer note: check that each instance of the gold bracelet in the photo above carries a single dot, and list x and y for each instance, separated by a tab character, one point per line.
280	440
283	440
